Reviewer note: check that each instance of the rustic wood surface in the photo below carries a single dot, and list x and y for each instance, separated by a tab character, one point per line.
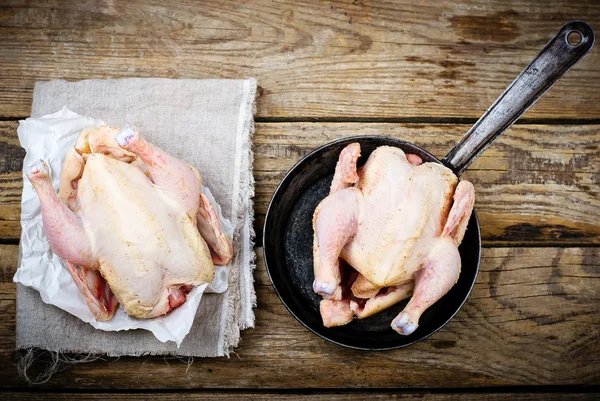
532	319
344	59
415	70
370	396
537	185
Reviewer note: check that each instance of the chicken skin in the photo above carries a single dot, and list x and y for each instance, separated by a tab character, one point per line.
130	222
397	222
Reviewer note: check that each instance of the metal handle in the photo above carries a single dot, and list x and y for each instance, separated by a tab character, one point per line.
545	70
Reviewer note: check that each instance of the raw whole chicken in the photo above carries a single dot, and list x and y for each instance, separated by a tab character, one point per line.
397	222
130	222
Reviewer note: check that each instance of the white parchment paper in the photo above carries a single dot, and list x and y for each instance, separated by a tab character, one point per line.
49	138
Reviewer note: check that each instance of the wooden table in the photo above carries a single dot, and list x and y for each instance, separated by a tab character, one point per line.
410	69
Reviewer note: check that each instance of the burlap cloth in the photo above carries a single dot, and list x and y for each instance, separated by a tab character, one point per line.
208	123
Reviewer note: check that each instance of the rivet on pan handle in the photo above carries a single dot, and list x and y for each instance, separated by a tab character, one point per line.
571	43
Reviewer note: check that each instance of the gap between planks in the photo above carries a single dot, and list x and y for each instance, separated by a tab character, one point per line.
398	120
489	393
375	59
537	184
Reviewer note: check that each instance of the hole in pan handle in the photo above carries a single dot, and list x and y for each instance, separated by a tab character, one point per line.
556	58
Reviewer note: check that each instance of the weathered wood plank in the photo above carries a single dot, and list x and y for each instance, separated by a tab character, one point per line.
326	396
11	181
9	254
382	59
538	184
533	319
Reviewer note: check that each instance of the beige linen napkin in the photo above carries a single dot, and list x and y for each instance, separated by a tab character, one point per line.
209	124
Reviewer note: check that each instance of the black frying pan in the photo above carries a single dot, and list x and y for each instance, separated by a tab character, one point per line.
288	233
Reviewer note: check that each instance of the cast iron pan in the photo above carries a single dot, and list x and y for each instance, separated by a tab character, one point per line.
288	233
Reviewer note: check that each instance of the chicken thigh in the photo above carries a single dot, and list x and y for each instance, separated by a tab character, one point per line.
131	223
397	222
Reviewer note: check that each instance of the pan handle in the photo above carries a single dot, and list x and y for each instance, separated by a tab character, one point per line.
571	43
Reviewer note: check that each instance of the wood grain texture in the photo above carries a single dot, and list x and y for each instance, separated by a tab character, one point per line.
537	185
361	58
11	181
247	396
533	319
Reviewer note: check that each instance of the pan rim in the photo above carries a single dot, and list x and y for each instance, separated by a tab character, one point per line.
265	252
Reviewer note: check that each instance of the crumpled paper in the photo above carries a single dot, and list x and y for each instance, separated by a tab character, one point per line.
49	138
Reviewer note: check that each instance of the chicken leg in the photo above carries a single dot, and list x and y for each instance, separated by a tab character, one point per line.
175	177
66	234
438	274
337	224
68	240
442	266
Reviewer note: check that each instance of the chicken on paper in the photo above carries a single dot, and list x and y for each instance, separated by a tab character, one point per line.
116	231
131	223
